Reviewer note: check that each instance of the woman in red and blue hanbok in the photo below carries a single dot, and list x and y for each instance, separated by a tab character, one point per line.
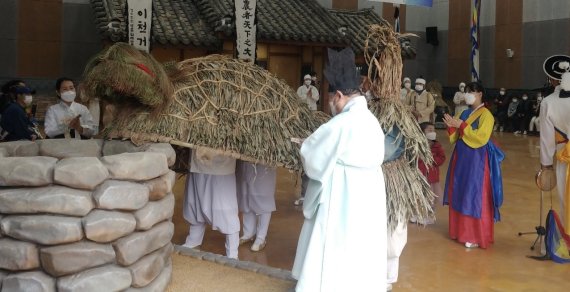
473	188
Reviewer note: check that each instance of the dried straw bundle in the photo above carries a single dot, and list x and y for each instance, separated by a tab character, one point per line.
125	75
229	106
408	192
404	185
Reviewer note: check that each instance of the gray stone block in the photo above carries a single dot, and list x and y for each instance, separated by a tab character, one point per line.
29	282
52	199
106	226
161	186
2	276
65	148
164	148
43	229
4	153
114	147
131	248
18	255
80	172
26	171
154	212
105	278
150	266
20	148
123	195
72	258
159	284
136	166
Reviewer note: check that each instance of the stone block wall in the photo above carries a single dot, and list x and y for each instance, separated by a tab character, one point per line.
89	215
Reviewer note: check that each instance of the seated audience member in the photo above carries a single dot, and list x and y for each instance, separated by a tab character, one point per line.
513	120
534	125
524	113
502	104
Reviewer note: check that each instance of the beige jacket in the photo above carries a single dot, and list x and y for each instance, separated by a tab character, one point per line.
422	105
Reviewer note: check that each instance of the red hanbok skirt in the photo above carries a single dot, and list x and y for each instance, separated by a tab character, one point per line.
465	228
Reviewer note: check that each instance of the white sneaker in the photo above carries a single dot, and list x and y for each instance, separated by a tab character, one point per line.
258	245
524	132
517	132
299	201
501	129
428	221
244	239
413	219
195	247
471	245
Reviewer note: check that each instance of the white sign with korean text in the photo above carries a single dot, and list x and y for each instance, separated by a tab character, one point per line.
140	16
245	29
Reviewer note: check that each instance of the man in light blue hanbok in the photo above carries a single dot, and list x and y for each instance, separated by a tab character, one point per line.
342	246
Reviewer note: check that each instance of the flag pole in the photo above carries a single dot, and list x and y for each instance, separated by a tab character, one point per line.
475	39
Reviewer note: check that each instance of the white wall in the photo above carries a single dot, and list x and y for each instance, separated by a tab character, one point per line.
540	10
324	3
419	17
488	13
368	4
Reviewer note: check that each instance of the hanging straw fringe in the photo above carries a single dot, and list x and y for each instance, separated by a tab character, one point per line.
216	102
409	194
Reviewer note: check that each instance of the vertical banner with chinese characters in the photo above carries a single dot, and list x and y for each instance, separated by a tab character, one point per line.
245	29
140	16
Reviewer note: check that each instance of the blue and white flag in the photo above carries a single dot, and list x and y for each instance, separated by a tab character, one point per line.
426	3
475	13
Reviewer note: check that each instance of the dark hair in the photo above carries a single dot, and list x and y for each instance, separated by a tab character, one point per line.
60	81
477	87
424	125
8	86
350	91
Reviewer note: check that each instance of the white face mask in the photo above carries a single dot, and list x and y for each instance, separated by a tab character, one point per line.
307	82
419	87
431	136
68	96
28	99
539	98
470	98
407	85
515	99
462	89
525	97
501	92
333	108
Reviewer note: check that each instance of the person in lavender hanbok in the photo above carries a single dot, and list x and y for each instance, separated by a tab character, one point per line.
211	199
256	201
342	246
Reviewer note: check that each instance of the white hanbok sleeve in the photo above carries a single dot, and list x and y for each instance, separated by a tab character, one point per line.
319	153
458	98
314	93
301	93
547	136
87	122
51	126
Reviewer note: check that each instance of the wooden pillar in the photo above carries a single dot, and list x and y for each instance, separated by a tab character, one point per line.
39	38
508	35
